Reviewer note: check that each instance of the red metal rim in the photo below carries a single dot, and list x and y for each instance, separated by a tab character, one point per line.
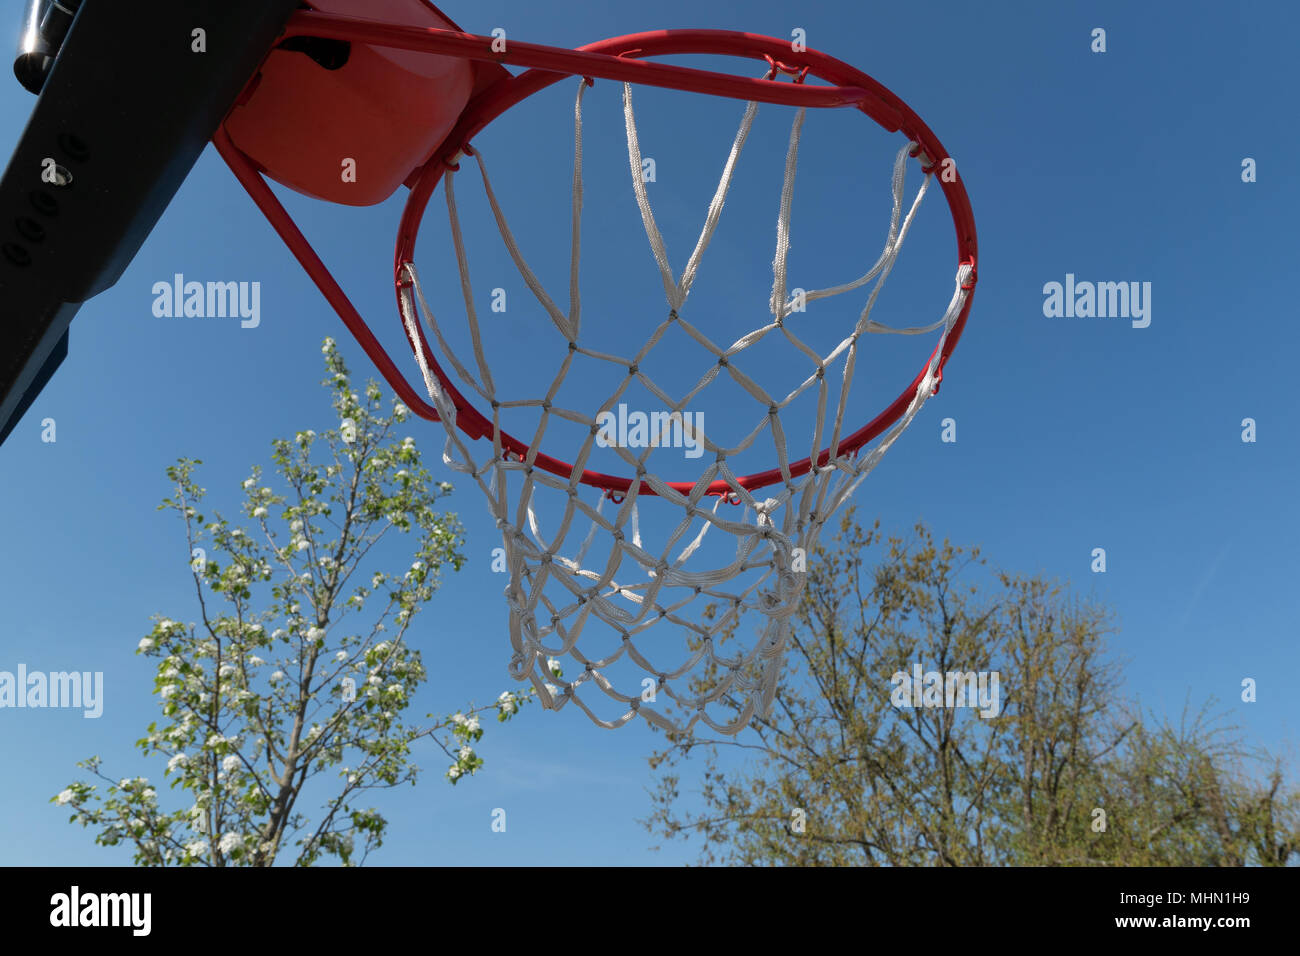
878	103
606	59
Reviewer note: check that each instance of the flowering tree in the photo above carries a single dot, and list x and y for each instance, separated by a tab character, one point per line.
279	684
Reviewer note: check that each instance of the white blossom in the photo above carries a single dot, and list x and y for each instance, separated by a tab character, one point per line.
259	512
179	760
230	842
230	763
146	644
65	796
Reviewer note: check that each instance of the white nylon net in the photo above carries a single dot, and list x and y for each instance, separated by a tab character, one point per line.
618	605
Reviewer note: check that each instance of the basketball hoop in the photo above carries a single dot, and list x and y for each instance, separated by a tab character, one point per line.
557	593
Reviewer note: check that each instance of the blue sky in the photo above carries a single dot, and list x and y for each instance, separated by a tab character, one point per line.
1073	433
